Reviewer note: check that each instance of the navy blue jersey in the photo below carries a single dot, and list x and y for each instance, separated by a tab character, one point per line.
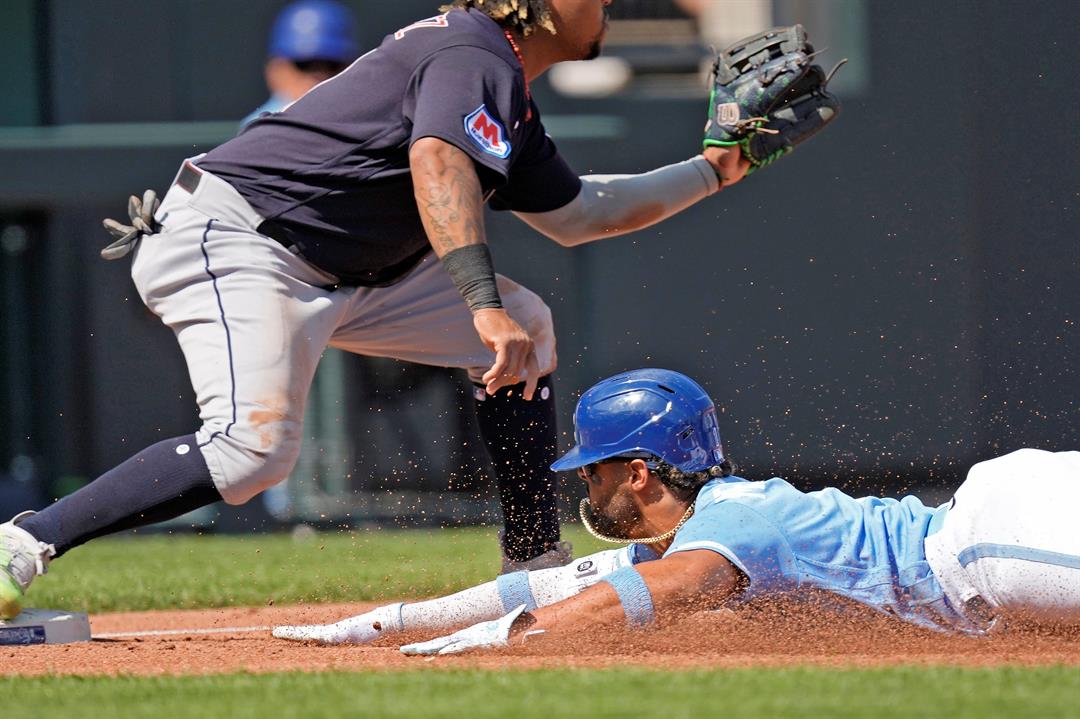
331	172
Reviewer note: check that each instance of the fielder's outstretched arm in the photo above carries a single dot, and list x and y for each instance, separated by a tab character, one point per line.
612	205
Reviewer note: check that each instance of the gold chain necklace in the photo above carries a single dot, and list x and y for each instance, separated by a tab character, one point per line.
584	509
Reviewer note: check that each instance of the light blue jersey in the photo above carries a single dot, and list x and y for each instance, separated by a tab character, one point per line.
868	549
276	103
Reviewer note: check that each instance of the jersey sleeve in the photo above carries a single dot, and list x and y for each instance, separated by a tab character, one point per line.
540	179
742	536
472	99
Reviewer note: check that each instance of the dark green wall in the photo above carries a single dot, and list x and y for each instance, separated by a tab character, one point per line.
894	301
20	101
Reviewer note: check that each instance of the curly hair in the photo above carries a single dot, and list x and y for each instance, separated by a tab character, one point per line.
685	485
522	16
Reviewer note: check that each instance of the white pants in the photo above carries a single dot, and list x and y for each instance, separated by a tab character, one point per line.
253	320
1012	537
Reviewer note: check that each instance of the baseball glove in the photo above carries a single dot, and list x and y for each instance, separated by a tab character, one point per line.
767	96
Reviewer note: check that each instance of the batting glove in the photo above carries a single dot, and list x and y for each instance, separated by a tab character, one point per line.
125	237
485	635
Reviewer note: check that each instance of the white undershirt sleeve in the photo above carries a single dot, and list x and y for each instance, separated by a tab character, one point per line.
494	599
490	600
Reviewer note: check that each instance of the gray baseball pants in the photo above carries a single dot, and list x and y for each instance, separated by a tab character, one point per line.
253	319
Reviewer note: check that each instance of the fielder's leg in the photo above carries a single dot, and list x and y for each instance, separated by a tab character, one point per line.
252	320
236	301
423	319
521	440
163	481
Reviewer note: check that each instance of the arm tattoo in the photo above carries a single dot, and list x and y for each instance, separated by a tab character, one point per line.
448	195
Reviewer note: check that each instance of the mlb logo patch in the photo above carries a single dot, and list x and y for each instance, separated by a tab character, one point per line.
487	132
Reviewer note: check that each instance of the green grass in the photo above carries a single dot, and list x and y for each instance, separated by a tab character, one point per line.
185	572
799	692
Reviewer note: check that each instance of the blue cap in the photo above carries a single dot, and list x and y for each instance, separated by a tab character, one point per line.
655	412
315	30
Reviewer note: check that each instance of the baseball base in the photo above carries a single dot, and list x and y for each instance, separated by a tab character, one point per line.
44	626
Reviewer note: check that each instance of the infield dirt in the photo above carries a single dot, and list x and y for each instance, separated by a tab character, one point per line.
767	636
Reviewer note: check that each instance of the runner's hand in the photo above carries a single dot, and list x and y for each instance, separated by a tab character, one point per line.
485	635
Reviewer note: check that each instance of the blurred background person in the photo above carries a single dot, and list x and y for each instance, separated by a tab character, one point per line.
311	41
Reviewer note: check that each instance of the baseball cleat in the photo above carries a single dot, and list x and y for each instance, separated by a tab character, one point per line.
10	597
560	554
22	557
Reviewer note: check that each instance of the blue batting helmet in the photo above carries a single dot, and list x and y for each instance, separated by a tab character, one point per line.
646	411
314	30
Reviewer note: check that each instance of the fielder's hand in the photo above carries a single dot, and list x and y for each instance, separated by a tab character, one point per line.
125	237
728	162
485	635
515	355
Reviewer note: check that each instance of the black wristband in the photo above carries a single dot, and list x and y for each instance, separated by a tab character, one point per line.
472	272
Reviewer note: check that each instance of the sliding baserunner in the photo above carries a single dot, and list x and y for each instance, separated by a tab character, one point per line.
649	451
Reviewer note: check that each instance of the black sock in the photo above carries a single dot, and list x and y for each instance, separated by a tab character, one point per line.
163	481
522	442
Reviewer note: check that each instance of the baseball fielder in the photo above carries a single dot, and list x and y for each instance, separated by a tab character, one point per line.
354	219
649	451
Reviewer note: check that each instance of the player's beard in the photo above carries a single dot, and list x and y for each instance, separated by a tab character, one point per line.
619	517
597	45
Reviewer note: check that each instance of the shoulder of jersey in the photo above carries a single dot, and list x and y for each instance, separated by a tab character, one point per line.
453	28
718	491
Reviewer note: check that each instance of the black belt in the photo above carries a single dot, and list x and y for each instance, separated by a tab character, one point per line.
189	179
